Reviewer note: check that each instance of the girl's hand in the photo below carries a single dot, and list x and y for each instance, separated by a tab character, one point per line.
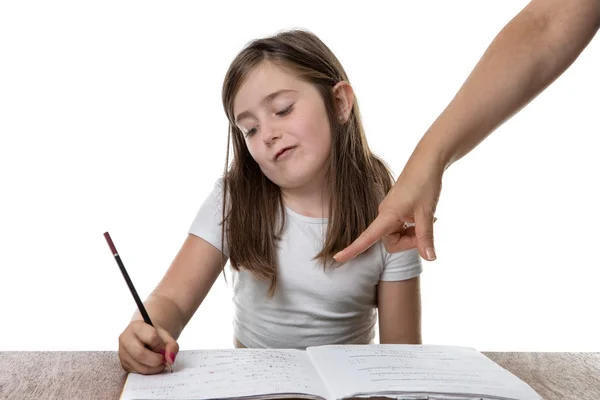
136	357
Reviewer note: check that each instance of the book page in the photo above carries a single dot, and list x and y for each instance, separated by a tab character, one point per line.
352	370
204	374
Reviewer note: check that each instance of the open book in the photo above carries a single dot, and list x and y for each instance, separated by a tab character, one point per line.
333	372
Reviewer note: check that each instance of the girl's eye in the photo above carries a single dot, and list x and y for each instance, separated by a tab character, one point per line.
281	113
284	111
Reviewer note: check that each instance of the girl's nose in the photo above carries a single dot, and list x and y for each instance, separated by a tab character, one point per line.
270	135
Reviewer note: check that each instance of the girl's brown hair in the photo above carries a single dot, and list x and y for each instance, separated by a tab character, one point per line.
357	178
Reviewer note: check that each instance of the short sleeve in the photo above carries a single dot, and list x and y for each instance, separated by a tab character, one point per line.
207	223
400	266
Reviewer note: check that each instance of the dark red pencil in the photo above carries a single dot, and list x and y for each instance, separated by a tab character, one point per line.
129	283
128	280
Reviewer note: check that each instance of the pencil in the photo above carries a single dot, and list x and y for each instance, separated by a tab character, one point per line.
130	285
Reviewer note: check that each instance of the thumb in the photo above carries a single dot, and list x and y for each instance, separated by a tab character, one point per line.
381	226
171	347
424	232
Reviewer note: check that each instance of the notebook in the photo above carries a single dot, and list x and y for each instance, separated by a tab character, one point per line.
416	372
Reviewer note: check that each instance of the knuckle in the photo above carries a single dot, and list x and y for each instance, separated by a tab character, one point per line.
124	342
427	236
137	353
153	336
137	325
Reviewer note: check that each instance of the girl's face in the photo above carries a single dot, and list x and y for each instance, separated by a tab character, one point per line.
285	125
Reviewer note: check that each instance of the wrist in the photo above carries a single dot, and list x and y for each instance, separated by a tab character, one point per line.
431	153
164	313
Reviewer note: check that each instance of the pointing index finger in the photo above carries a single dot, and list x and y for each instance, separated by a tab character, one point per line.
374	232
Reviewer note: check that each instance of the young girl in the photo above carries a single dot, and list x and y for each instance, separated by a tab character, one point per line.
303	184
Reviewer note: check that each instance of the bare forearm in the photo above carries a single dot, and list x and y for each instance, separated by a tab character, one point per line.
399	311
530	52
164	313
409	337
403	327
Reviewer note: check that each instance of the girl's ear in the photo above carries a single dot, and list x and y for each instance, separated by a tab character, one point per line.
344	100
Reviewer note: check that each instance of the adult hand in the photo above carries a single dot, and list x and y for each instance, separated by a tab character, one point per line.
406	215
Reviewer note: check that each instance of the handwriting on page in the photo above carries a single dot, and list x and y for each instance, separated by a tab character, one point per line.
230	373
417	369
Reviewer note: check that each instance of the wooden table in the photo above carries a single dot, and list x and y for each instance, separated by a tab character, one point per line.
98	375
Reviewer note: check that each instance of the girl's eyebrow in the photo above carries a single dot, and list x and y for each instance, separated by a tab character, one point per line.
264	101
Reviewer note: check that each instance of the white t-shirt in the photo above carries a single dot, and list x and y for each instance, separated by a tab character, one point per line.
311	306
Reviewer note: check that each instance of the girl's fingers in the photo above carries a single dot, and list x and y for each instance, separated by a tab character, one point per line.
130	363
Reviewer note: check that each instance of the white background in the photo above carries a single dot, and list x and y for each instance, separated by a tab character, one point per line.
111	120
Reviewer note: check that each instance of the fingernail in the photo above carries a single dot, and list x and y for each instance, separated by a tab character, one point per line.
336	256
430	252
172	357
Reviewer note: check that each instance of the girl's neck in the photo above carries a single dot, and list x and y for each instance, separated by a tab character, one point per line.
310	200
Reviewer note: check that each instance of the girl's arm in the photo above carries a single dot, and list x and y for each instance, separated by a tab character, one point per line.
399	304
194	270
